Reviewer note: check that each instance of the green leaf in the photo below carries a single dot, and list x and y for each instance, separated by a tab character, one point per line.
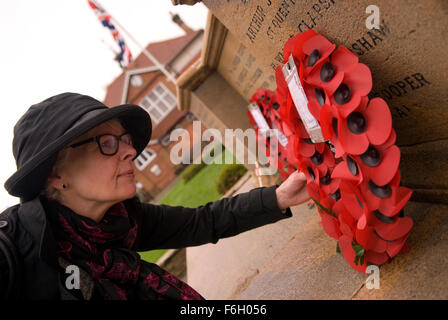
325	209
356	260
359	250
338	250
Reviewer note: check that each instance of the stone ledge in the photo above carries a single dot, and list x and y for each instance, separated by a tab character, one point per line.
308	267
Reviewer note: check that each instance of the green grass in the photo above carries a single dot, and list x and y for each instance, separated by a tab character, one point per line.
153	255
194	193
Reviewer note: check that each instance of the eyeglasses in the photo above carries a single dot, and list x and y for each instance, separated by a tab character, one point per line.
107	143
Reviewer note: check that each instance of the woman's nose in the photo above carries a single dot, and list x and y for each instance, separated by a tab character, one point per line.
127	151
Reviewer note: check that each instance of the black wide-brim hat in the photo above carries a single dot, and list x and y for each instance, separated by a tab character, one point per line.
49	126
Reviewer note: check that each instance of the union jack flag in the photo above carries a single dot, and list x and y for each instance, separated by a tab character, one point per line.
125	56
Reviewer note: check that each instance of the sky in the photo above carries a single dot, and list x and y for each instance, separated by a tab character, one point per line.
53	46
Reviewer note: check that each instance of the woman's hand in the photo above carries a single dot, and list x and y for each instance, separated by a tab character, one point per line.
292	191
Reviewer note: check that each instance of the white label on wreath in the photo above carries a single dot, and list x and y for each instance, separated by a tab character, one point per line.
301	101
281	137
258	117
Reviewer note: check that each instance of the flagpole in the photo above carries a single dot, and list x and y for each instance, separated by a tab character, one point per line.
146	52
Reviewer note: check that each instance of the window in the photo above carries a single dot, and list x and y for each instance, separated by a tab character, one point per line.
159	102
156	170
144	159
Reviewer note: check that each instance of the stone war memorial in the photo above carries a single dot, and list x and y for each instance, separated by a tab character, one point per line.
404	44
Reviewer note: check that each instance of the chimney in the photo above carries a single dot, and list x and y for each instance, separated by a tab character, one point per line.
178	20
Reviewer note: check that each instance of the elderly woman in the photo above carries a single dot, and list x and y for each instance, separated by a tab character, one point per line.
78	208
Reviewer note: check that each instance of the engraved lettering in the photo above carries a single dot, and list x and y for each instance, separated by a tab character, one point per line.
358	50
402	85
316	13
255	23
376	36
316	8
270	33
395	90
401	88
419	77
325	2
411	83
366	44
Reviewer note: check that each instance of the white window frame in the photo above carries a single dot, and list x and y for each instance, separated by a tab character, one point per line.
145	158
155	170
152	100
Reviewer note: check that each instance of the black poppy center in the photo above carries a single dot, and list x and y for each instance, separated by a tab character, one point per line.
311	173
326	180
320	96
380	191
334	123
336	196
352	166
359	201
371	157
356	122
317	158
314	57
327	72
275	106
383	218
342	94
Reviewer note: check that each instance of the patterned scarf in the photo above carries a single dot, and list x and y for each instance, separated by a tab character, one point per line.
104	250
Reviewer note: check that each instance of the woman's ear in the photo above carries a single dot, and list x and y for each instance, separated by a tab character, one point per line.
55	181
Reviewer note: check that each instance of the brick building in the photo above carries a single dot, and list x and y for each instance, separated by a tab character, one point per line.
144	84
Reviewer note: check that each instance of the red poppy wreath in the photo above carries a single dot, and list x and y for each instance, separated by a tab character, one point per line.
351	161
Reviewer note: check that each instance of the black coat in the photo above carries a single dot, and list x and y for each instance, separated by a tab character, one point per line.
159	227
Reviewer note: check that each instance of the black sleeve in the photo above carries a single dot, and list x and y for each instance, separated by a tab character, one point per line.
167	227
4	274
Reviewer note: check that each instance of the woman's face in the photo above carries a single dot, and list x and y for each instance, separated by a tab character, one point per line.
91	176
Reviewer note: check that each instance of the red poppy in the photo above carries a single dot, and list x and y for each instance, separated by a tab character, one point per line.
365	125
389	199
316	50
311	172
328	184
349	170
295	44
391	228
380	163
317	99
377	258
304	147
354	202
355	85
329	121
346	247
370	242
330	225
